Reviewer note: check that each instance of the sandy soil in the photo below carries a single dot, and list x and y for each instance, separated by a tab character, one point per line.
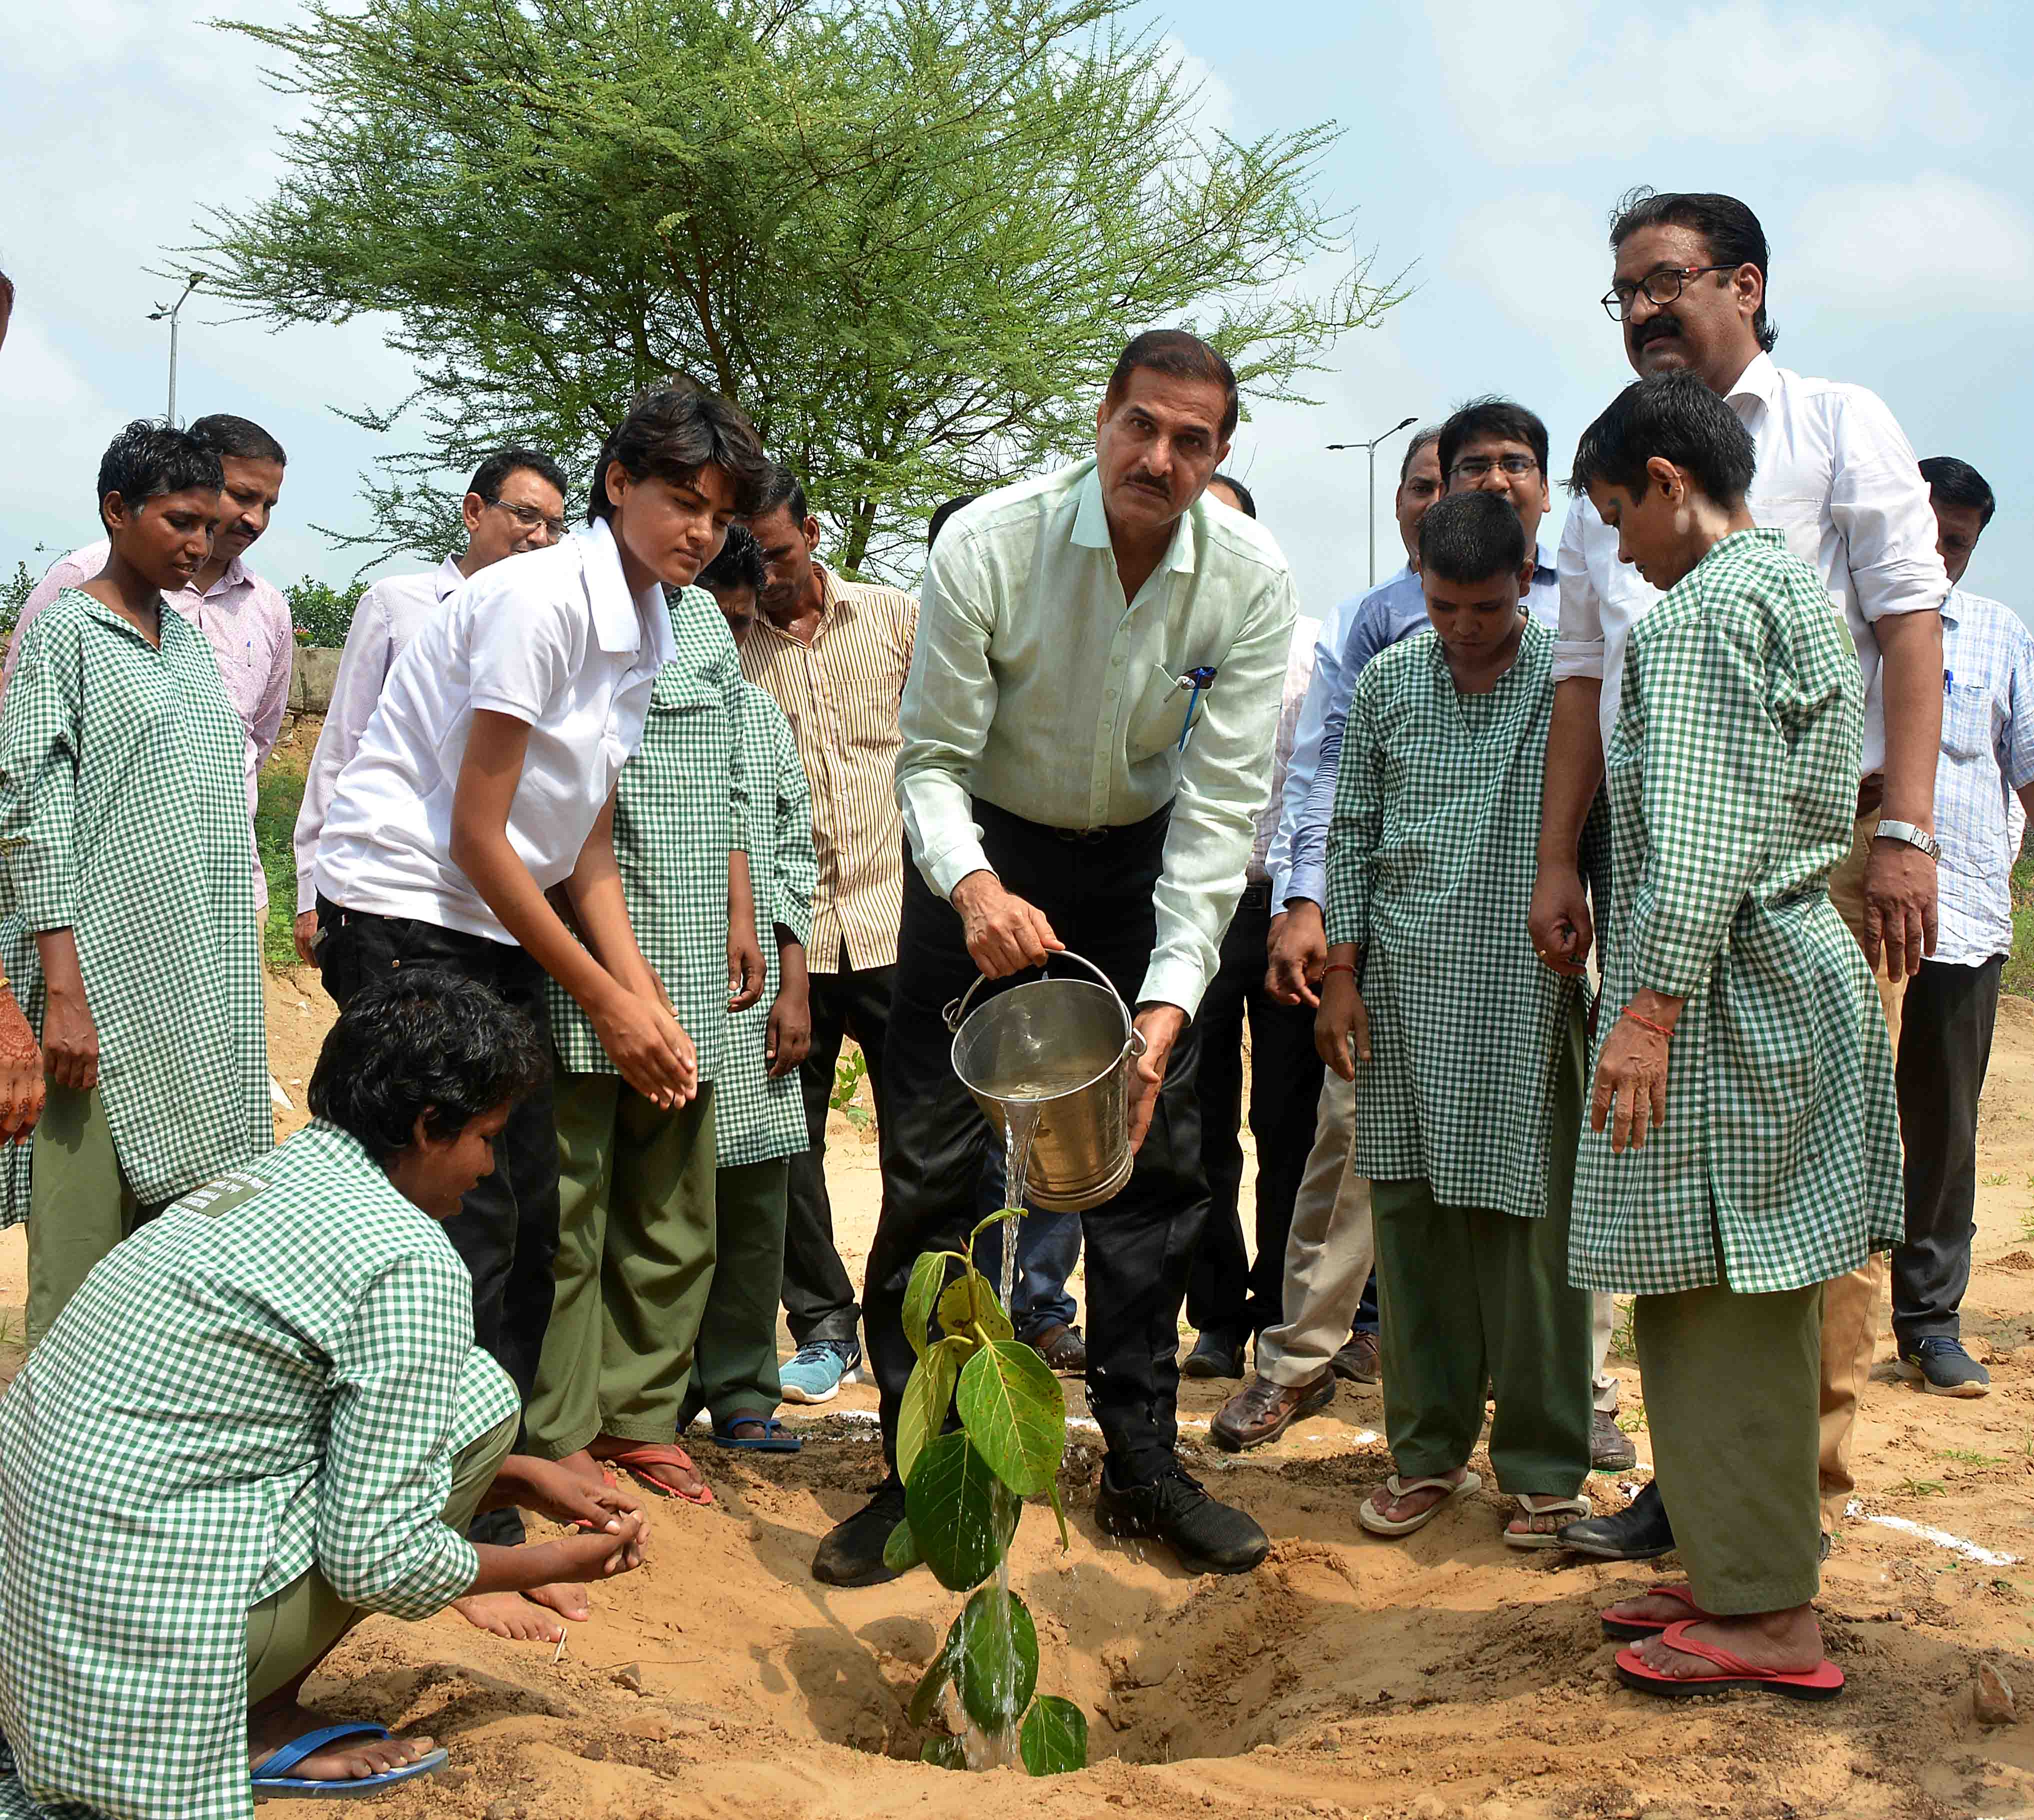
1442	1676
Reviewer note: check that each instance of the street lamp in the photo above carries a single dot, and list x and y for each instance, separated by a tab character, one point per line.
1371	446
171	310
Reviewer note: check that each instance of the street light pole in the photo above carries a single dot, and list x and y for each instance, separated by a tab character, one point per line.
1371	448
172	311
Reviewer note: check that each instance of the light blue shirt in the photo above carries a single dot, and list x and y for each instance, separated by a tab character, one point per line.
1987	754
1392	610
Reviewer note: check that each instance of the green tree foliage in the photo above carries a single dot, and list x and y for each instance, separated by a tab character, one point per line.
908	236
321	614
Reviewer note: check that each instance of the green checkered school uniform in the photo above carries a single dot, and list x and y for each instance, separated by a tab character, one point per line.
681	807
636	1183
1431	862
277	1372
123	818
756	1118
1731	774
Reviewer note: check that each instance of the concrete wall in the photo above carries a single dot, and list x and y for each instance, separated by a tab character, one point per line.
313	672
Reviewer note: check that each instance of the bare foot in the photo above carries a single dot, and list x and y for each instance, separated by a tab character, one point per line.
565	1599
271	1727
509	1615
1410	1504
584	1466
1652	1608
665	1467
1783	1643
1543	1522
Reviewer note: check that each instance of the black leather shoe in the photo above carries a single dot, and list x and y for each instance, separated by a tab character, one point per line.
1216	1354
1638	1532
851	1554
1209	1538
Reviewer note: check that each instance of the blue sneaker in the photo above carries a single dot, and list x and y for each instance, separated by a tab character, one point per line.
816	1373
1940	1367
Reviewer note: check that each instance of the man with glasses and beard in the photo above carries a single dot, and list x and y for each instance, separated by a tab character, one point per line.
1836	476
516	502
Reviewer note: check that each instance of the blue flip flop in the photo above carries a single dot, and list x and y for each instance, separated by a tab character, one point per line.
775	1439
270	1776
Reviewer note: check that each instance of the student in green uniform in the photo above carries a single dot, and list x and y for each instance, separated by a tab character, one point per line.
261	1420
1468	1053
635	1179
759	1117
129	924
1752	1150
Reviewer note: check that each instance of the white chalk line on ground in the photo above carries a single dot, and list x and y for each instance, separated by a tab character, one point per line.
1942	1538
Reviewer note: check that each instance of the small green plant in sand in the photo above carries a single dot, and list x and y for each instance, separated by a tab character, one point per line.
963	1493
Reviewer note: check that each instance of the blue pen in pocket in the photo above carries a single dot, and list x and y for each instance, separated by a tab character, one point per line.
1195	680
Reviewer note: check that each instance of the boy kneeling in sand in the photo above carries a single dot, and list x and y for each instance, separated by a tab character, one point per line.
262	1418
1468	1052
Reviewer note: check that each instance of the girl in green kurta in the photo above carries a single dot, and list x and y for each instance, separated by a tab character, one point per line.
759	1118
128	912
1469	1060
636	1180
261	1420
1745	1139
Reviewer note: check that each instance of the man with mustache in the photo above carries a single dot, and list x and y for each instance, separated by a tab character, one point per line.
833	654
1836	476
246	619
1087	734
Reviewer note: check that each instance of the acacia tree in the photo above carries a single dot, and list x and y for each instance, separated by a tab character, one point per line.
907	235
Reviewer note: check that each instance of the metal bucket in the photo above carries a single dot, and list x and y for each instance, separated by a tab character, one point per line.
1067	1046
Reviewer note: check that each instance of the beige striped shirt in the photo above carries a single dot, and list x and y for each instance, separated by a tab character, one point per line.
840	694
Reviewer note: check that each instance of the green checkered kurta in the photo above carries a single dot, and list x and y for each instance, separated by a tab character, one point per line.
123	818
1431	863
1732	776
756	1118
277	1371
681	807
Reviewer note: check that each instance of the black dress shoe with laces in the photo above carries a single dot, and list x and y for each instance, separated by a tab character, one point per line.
1209	1538
1638	1532
851	1555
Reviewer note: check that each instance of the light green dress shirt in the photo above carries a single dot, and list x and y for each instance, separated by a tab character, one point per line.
1035	686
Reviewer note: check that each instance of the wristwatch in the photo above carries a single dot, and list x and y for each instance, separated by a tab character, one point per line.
1913	836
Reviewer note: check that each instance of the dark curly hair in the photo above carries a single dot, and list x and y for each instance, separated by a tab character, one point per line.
739	565
422	1042
1676	417
672	432
147	459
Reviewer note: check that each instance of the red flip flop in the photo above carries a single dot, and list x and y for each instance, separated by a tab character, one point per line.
1824	1681
1629	1630
640	1460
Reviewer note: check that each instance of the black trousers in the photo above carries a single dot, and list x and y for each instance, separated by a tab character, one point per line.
1225	1291
507	1227
1946	1021
1096	891
819	1294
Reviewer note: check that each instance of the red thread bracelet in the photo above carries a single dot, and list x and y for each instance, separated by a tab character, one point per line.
1648	1024
1338	967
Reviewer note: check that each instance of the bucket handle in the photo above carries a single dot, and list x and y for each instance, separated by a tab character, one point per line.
956	1010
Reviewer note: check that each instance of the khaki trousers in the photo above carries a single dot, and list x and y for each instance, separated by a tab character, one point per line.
1728	1396
295	1627
1851	1303
635	1262
1329	1251
79	1205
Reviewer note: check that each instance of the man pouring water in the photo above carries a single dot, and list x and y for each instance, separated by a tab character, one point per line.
1087	732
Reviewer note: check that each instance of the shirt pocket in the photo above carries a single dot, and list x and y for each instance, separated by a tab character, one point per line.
1798	517
1159	715
1966	720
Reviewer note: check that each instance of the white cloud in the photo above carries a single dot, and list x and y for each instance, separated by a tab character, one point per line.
1915	245
1546	85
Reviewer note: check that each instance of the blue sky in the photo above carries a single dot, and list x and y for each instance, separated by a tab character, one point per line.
1882	145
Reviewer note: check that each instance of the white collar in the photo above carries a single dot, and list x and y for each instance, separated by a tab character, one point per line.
1760	382
620	619
446	578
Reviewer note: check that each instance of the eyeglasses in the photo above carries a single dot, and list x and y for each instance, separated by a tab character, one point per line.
1661	288
1476	466
530	518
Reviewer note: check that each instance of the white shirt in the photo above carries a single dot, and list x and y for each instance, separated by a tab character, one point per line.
1838	477
1036	686
552	638
389	614
1299	674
